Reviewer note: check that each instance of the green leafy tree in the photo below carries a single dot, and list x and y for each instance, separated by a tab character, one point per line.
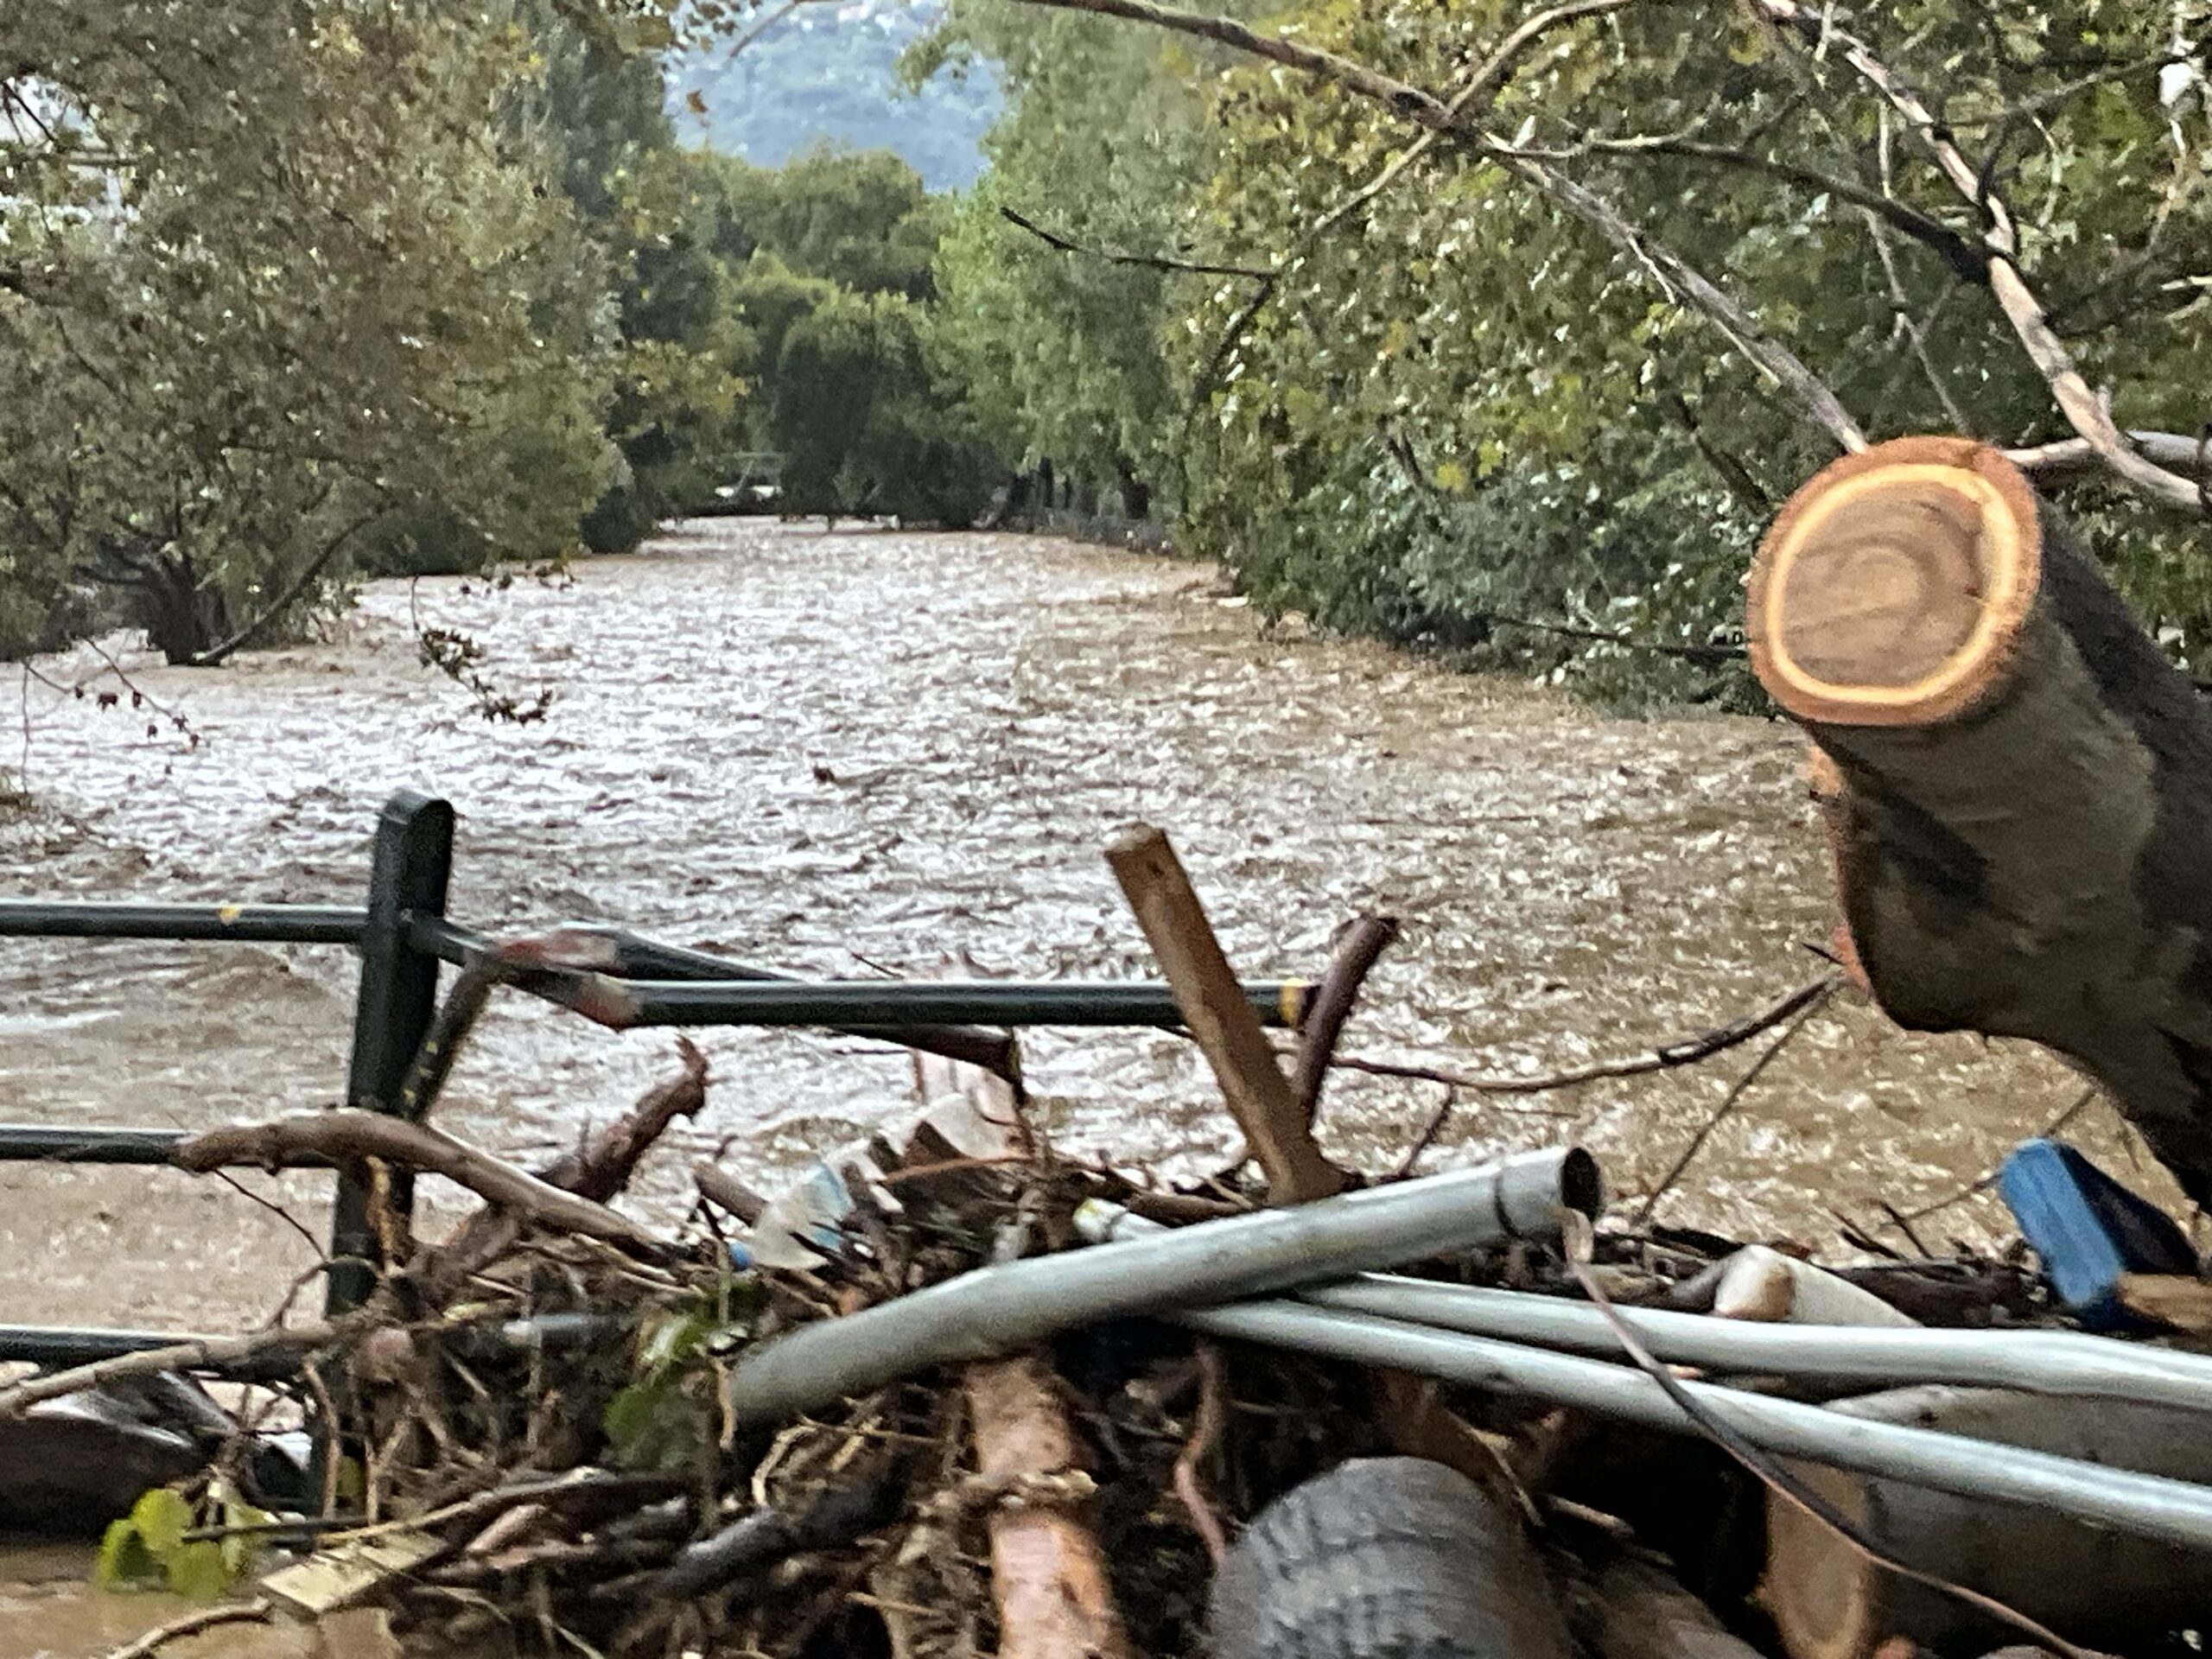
1532	383
269	279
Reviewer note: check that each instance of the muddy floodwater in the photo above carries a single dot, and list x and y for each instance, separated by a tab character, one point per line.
853	753
858	753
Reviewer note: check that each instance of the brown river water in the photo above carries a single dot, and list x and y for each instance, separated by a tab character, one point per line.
841	754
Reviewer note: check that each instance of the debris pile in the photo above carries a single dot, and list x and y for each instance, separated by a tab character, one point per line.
956	1394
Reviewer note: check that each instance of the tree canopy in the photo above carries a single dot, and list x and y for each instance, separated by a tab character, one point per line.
1505	326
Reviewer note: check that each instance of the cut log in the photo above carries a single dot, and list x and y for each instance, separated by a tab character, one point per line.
2021	796
1048	1575
1628	1610
1829	1602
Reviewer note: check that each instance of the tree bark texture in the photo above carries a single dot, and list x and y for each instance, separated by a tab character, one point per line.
2017	782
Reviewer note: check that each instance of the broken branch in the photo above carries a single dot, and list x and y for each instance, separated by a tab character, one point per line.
352	1135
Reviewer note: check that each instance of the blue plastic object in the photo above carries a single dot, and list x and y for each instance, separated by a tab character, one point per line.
2089	1229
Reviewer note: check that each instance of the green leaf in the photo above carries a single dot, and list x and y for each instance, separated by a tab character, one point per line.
197	1572
161	1517
123	1562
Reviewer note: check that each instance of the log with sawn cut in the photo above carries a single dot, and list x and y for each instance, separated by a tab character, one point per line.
2018	790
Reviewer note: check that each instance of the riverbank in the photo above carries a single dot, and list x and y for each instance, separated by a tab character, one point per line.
853	752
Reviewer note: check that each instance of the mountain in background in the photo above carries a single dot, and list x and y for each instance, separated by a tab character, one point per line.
828	74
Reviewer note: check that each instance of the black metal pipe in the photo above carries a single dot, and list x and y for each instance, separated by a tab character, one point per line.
242	923
890	1004
55	1143
51	1347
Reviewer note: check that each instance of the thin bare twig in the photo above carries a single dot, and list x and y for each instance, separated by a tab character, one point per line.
1687	1050
208	1618
1427	1138
1820	994
1987	1179
1204	1432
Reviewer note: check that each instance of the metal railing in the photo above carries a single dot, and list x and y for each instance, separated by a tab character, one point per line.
404	938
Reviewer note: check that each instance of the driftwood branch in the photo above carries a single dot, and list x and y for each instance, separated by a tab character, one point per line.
343	1136
1047	1573
1214	1006
257	1612
1330	1005
1815	26
596	1172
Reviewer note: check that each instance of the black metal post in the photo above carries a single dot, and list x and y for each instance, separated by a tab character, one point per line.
408	876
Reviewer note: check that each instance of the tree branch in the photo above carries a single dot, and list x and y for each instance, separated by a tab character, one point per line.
1426	109
1148	261
2084	409
351	1134
223	648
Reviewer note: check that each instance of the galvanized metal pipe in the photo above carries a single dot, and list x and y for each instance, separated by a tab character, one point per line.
243	923
2057	1362
2148	1506
2051	1362
997	1309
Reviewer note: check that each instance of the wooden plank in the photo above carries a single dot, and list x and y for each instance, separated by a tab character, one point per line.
1214	1006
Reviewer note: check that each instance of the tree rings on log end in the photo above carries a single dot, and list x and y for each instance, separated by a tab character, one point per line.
1892	589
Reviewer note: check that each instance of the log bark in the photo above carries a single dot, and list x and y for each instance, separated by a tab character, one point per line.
1627	1610
1048	1574
1049	1580
2019	784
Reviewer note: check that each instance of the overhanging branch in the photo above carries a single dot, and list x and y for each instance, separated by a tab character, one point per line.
1455	121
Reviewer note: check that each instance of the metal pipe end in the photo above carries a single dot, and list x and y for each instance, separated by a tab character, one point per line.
1536	1190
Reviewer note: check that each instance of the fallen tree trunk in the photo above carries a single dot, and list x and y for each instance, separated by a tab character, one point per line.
2020	798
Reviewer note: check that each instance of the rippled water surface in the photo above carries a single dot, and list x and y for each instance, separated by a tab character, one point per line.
848	754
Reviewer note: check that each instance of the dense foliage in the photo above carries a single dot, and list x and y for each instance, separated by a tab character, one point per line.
289	292
1447	407
411	286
